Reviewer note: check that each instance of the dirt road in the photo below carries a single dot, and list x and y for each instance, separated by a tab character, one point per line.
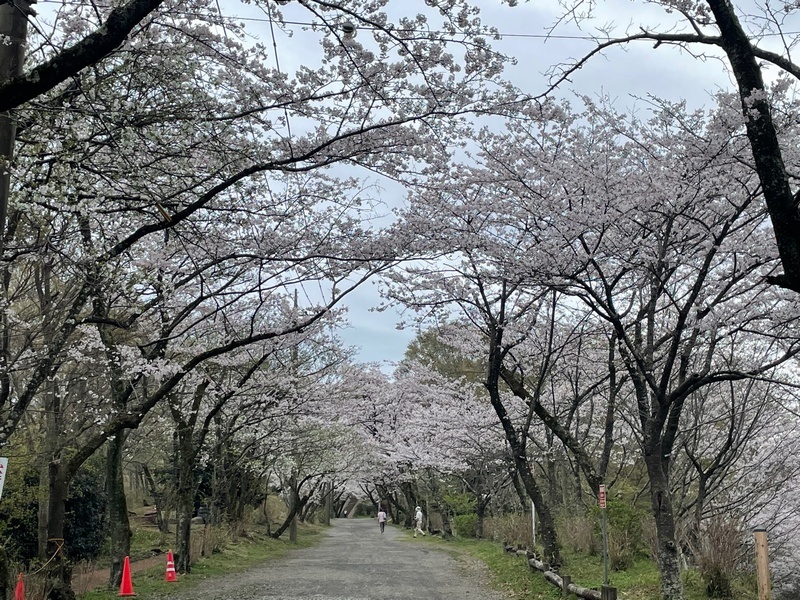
355	562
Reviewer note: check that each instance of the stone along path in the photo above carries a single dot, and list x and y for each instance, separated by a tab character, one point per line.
355	562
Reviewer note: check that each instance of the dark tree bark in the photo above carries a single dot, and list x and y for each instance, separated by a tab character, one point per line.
781	203
480	512
158	499
408	523
517	445
184	496
661	501
59	572
522	495
744	57
119	524
293	510
395	509
69	62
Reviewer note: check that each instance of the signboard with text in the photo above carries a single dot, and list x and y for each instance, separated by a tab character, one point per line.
3	469
601	496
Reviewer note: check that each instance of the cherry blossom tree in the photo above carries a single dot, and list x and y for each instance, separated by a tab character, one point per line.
661	242
176	190
741	32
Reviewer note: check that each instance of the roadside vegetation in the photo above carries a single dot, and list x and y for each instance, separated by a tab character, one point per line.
639	580
231	555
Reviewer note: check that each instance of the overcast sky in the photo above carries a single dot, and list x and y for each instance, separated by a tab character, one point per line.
628	74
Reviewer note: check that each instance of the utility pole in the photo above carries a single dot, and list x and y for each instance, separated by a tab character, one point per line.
13	29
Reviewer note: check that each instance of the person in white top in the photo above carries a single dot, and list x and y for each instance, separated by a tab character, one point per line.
418	522
382	519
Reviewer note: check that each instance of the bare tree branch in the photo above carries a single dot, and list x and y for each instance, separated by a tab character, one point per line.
95	46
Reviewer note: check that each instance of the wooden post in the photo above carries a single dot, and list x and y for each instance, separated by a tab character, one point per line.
762	564
608	593
602	503
566	580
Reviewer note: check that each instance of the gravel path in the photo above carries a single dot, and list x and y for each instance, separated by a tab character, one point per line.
355	562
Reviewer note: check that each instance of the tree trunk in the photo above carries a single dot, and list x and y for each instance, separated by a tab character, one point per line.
409	519
183	532
218	477
290	517
59	572
163	523
522	496
447	527
395	510
480	511
517	444
668	563
42	516
547	524
119	525
761	133
184	501
294	508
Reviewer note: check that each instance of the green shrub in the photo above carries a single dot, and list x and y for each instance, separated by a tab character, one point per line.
625	536
85	525
465	525
460	503
18	511
85	522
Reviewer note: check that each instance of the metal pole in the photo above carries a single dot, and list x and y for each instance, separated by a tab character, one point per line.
13	28
533	524
605	548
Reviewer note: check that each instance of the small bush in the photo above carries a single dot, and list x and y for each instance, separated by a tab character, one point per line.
577	534
621	551
625	537
514	529
718	554
465	525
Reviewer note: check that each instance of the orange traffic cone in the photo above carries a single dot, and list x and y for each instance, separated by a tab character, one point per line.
126	587
171	568
19	591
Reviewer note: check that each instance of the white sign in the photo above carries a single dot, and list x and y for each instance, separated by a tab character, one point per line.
602	496
3	469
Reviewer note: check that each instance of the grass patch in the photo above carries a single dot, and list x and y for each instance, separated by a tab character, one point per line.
641	581
237	556
143	541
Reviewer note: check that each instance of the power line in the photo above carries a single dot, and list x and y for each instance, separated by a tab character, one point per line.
501	35
542	36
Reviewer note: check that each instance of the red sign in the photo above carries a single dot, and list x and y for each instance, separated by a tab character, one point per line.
601	496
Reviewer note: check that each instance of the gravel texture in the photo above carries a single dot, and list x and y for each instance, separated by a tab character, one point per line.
356	562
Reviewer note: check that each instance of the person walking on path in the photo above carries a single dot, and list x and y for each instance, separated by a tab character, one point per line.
382	519
418	522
